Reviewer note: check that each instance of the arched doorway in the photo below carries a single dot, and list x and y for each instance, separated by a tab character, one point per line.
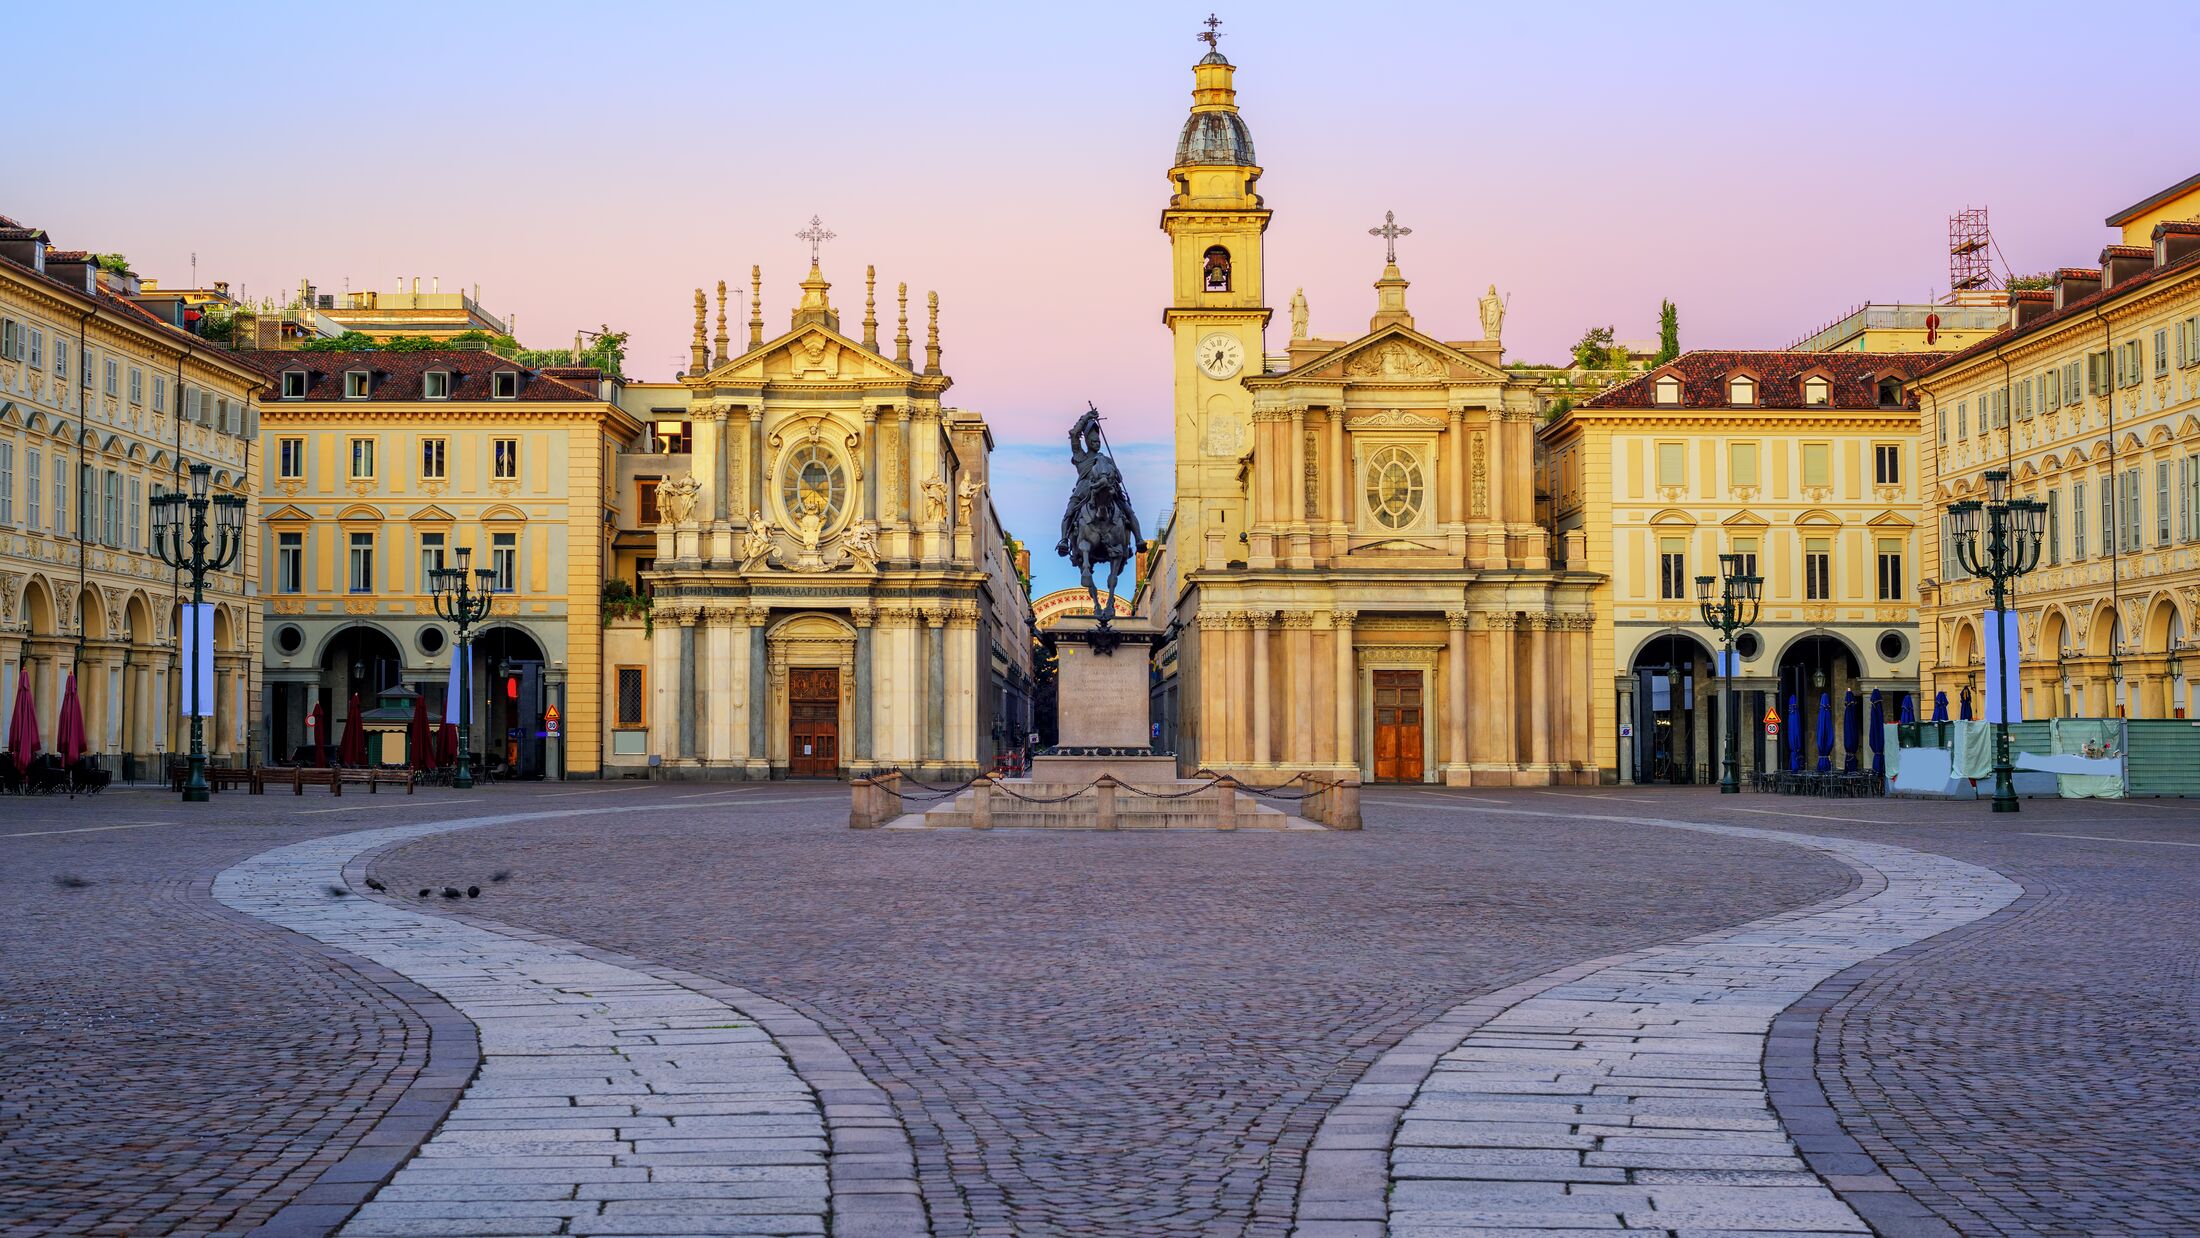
1676	713
508	707
360	661
1815	669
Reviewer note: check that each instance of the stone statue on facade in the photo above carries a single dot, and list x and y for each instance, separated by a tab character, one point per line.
1493	313
1098	526
676	499
966	501
1298	314
810	530
757	546
935	502
859	549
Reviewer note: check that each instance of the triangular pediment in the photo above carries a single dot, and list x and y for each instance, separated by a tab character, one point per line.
1745	520
812	352
1891	520
286	514
1396	353
431	514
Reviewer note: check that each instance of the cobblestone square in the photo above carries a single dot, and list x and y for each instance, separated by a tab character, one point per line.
656	1009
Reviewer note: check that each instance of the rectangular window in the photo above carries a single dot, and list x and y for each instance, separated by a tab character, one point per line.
290	455
113	385
356	384
1890	569
60	495
1672	567
290	562
2054	526
133	507
1943	418
2131	509
294	384
1887	464
506	463
87	503
2161	503
504	385
1745	549
436	385
431	560
2108	514
504	560
12	340
30	491
7	482
160	393
645	502
2192	496
675	437
1963	419
2161	352
137	385
1818	464
362	457
60	358
110	507
2077	520
362	563
38	349
432	459
1741	464
1817	569
630	700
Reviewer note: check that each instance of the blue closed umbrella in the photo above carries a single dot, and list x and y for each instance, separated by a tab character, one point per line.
1909	708
1940	707
1965	715
1795	735
1825	733
1852	721
1878	734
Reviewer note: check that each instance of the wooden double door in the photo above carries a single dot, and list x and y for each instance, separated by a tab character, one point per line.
1399	717
813	722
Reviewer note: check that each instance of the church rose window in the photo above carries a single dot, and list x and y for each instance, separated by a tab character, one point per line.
814	476
1394	487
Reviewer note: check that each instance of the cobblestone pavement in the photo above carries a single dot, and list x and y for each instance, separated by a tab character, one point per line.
1629	1091
1121	1035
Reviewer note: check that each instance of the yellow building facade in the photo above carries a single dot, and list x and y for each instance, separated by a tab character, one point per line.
2091	401
1356	575
102	405
830	591
376	468
1802	463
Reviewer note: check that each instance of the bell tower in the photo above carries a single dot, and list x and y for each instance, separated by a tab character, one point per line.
1217	311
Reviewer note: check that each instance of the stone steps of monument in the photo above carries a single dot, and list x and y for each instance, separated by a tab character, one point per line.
1132	811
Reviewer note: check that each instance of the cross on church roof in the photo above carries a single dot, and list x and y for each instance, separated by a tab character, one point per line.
816	235
1390	232
1212	33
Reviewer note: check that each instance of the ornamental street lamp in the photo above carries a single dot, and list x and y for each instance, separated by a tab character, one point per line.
1731	609
462	598
180	539
2012	528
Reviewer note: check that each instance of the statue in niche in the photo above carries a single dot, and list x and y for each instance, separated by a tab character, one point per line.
1493	314
935	502
757	546
676	499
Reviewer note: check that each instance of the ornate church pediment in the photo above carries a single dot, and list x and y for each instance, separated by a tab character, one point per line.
810	353
1398	353
1397	418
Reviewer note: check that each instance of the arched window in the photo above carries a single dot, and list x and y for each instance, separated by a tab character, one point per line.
1816	390
1215	270
1741	389
1669	390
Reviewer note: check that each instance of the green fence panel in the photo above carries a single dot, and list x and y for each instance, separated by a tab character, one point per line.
2164	757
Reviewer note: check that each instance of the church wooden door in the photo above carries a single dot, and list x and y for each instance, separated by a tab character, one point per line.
813	722
1397	726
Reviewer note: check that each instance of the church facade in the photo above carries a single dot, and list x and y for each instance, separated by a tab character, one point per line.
1354	566
832	593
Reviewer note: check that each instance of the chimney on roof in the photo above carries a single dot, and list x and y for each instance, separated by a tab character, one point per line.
2174	240
435	284
221	287
2075	284
2121	262
2029	305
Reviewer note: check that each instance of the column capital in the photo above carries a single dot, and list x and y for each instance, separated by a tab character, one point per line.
1343	619
861	616
1212	620
935	616
1298	621
1458	619
1259	618
759	616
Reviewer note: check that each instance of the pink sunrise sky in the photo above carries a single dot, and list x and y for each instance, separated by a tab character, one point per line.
1765	166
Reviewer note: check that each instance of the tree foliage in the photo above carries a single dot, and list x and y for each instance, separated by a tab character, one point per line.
349	341
1669	332
114	264
1596	351
411	343
2038	280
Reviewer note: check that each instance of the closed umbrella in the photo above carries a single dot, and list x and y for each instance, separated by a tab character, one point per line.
1909	708
1825	733
1795	735
1940	707
418	744
1965	715
68	737
317	727
353	750
447	743
1877	736
1852	721
23	725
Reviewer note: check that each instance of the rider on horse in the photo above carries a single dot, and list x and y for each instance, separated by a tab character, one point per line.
1098	526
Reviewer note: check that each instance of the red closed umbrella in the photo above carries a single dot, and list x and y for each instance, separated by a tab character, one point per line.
317	728
23	724
353	750
447	743
417	740
69	737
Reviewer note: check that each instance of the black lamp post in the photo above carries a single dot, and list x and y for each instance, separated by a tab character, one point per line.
1731	609
180	539
462	598
2012	548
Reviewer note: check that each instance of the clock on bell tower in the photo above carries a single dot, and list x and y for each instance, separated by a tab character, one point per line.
1217	311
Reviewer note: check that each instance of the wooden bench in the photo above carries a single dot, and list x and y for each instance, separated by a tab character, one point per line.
224	779
375	779
298	778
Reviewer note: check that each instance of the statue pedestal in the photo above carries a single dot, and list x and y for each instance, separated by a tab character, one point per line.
687	542
721	543
1106	696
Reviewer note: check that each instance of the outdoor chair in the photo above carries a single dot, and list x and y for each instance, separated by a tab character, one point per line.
87	777
47	774
11	778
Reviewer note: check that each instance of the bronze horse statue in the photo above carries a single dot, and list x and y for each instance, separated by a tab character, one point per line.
1098	526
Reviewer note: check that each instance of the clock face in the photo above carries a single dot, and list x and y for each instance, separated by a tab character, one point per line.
1219	355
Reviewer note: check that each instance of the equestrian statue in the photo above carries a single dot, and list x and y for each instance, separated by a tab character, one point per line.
1099	525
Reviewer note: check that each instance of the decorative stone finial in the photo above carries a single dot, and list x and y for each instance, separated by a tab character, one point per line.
721	339
932	334
901	336
756	307
699	352
870	308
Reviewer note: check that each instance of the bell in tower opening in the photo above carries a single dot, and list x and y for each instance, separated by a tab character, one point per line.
1217	271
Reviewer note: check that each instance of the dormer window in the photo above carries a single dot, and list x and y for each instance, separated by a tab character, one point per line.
1816	390
1890	392
504	385
294	384
1741	389
436	385
1669	390
356	384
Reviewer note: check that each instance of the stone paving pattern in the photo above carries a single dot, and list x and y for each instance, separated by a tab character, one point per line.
1118	1035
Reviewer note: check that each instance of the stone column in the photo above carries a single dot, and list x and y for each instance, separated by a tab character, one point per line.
1264	752
935	684
720	639
1348	690
870	464
1340	483
907	465
760	701
1214	669
1297	483
1579	662
1539	694
1455	723
756	473
688	702
862	616
1238	692
1321	666
664	669
1504	690
1455	481
1298	657
721	473
1499	460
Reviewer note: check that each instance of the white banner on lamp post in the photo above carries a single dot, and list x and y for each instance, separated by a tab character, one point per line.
459	679
196	661
2003	653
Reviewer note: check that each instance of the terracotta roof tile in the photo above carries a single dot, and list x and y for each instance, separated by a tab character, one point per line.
401	377
1779	373
2079	306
